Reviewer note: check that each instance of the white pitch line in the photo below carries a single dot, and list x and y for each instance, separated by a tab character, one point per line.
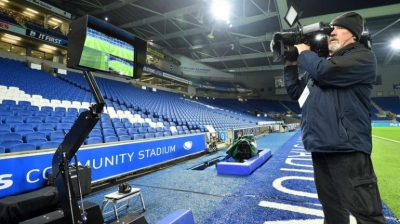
387	139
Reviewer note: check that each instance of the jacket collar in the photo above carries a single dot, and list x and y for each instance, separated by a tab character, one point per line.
347	48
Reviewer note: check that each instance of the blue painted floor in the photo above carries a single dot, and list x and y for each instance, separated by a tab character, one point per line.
281	191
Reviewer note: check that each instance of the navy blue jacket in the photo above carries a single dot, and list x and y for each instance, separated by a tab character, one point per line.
336	115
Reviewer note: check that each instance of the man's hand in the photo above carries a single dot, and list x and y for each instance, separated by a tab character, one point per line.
302	47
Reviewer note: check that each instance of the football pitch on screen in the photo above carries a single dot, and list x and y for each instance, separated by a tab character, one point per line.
105	46
118	66
94	59
385	157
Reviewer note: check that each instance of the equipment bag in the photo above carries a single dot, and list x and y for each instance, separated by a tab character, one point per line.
243	148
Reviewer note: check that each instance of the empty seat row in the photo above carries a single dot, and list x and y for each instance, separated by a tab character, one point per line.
21	147
8	140
26	127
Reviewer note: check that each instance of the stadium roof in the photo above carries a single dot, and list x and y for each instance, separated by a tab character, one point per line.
183	26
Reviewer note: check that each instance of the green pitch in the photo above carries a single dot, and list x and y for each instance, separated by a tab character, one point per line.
118	66
94	59
97	44
386	160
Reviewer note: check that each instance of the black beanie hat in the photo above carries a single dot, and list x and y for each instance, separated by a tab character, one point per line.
351	21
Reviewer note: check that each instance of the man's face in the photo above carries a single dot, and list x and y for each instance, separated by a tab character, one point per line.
339	38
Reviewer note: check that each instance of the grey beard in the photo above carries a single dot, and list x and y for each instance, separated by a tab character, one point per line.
334	47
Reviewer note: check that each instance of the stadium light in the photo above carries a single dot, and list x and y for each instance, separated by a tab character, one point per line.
396	44
220	9
49	47
12	36
57	20
28	13
31	10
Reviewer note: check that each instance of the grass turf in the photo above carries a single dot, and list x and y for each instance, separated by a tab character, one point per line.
385	157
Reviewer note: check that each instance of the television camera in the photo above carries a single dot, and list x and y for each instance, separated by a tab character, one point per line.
315	35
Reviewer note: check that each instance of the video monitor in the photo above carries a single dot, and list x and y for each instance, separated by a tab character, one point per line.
96	45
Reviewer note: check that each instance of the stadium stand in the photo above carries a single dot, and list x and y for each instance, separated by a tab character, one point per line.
39	113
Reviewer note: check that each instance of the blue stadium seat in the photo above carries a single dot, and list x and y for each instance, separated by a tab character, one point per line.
124	137
121	131
63	127
106	125
142	130
9	102
41	113
71	114
149	135
9	139
68	119
110	139
97	126
47	109
24	113
32	108
115	119
128	125
57	114
49	145
82	110
137	136
60	109
2	149
45	128
16	108
95	133
71	109
5	128
13	120
151	130
35	138
132	131
124	120
118	125
24	103
93	140
159	134
22	147
56	136
34	119
167	133
108	132
23	129
5	113
137	125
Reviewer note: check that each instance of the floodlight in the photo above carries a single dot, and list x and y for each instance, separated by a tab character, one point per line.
220	9
396	44
291	16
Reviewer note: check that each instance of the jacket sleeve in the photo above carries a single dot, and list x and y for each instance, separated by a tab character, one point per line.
356	67
293	85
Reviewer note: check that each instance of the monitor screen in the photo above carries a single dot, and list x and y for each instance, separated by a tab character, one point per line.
96	45
105	53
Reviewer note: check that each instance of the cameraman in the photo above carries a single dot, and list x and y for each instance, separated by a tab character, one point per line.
335	96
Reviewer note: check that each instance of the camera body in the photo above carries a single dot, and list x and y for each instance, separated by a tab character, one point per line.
315	35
